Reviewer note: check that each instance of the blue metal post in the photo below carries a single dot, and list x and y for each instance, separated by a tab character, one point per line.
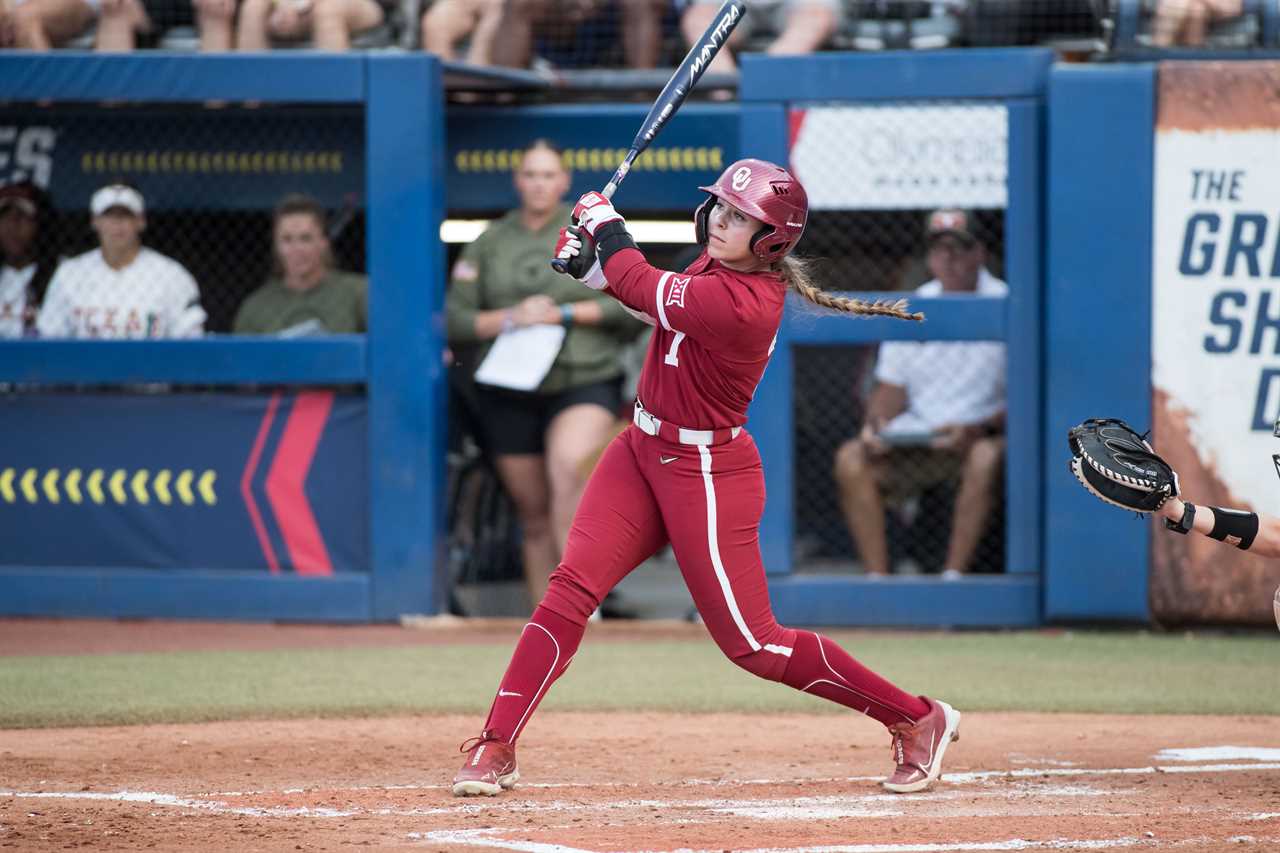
404	145
1022	236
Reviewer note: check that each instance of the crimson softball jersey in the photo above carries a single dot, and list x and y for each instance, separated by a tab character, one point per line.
714	334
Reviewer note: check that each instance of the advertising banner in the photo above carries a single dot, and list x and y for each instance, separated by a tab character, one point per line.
485	143
188	158
250	482
247	159
1216	326
897	157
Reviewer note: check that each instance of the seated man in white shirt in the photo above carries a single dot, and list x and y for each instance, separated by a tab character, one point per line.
936	412
25	267
122	289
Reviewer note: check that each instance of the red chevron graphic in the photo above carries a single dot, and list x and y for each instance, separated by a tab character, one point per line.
287	479
795	121
246	484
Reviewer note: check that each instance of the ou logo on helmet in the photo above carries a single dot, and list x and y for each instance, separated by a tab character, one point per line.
741	178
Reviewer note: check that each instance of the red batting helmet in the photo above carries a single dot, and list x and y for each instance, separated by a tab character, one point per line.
767	192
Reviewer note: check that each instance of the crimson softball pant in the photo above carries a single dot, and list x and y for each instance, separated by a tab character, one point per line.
706	502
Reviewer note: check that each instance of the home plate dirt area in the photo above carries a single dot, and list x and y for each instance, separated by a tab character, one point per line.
651	782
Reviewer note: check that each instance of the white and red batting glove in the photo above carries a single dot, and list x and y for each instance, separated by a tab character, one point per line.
594	210
581	259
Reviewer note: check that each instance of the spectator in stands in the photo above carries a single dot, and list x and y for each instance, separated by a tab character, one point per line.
329	24
42	24
307	296
640	28
447	23
795	26
937	410
25	265
122	289
1186	22
538	440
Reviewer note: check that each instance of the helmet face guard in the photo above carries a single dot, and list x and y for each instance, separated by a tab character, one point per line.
763	191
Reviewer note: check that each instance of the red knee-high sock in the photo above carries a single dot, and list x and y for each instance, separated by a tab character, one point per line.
547	645
820	667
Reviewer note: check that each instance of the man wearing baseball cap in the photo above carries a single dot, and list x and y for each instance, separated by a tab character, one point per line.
938	407
24	273
122	289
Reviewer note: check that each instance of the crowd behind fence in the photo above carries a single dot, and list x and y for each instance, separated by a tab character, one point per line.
555	35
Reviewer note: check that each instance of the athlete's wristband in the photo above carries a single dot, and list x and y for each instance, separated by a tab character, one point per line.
610	238
1187	521
566	315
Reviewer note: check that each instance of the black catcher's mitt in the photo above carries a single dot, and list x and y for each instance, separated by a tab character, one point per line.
1116	464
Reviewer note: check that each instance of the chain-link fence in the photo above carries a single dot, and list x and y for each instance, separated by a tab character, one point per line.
158	222
908	198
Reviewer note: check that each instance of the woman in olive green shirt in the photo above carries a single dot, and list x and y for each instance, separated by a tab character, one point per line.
539	440
306	295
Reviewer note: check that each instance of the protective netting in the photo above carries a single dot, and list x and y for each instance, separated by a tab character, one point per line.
571	35
879	173
197	185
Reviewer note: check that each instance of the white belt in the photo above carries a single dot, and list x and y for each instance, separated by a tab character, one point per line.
654	426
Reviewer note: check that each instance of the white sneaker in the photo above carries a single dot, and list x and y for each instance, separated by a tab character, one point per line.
952	574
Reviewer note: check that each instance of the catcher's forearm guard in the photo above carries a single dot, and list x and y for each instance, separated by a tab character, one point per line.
1234	526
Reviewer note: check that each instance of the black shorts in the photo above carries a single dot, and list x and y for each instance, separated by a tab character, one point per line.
517	423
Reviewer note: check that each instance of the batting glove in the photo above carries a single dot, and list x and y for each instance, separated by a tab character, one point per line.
594	210
581	259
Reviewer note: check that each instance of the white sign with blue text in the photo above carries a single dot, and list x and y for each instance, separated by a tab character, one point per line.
1215	300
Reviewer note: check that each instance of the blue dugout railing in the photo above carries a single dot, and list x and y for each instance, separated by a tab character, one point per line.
1018	79
398	362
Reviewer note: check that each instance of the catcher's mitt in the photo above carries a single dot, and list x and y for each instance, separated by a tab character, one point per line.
1117	465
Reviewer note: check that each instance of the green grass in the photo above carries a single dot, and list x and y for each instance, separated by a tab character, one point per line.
1074	671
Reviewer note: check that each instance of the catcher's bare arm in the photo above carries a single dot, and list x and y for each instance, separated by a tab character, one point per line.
1117	465
1219	523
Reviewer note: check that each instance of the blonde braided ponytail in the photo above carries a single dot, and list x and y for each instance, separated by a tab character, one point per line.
796	274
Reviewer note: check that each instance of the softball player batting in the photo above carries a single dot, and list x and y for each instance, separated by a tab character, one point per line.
687	472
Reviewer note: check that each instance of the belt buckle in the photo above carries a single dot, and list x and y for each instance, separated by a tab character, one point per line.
648	423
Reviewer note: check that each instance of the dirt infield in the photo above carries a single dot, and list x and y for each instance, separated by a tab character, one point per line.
627	782
657	782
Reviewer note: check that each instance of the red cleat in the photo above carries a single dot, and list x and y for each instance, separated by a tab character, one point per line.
490	768
918	748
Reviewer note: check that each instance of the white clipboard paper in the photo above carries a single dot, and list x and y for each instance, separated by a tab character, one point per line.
519	359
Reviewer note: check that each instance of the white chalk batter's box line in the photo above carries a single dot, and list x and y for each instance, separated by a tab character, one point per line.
864	805
983	776
485	838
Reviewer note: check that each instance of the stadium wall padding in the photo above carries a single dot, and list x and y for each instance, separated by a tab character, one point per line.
1098	327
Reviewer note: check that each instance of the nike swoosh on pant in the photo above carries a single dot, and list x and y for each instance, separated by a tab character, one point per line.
666	460
508	693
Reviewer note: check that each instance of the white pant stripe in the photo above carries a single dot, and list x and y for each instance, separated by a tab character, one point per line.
713	544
